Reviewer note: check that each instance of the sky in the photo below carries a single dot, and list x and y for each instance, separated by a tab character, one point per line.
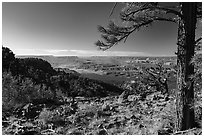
70	28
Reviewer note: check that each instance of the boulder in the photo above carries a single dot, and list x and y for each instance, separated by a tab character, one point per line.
123	96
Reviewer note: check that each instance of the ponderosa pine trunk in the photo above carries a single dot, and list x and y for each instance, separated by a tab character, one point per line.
185	92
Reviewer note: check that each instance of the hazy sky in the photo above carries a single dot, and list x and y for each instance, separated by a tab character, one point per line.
71	29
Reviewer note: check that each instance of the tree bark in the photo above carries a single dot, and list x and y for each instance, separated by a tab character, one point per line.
185	92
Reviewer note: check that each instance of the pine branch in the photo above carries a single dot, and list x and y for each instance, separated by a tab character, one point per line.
119	35
198	40
153	19
165	19
113	9
155	8
198	44
147	14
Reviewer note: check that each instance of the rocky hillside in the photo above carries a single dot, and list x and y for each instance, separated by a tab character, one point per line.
116	115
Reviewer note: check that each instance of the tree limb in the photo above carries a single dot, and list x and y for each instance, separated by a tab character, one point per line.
154	18
164	19
113	9
199	39
136	27
182	132
158	8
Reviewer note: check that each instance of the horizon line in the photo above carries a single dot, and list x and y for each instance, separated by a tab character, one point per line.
98	55
80	53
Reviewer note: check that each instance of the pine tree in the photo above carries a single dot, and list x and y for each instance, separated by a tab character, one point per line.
185	15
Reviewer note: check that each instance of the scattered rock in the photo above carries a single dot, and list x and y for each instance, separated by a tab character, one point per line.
132	98
123	96
130	116
102	132
105	107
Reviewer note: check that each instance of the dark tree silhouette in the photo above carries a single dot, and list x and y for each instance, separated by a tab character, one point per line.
8	58
185	15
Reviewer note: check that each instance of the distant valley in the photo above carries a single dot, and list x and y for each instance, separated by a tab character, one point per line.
110	69
74	61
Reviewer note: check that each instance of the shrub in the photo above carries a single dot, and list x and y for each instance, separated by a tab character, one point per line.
18	91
